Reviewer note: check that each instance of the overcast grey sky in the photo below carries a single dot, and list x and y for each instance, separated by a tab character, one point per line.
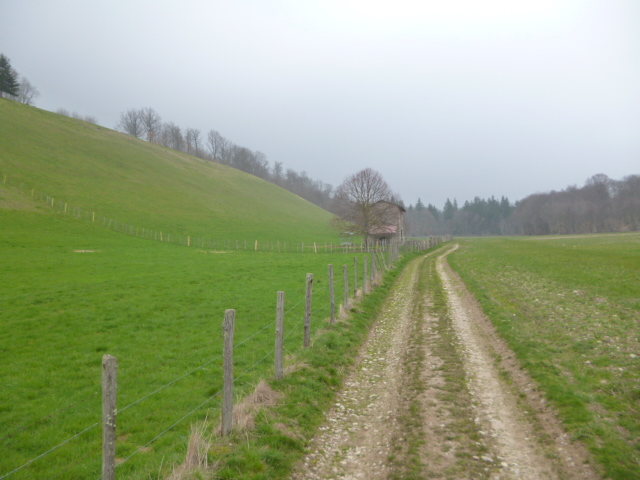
446	98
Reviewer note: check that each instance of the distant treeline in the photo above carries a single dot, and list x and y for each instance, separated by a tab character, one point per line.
601	205
77	116
146	123
479	217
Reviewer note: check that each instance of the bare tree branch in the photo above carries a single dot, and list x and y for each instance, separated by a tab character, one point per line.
364	201
130	123
151	123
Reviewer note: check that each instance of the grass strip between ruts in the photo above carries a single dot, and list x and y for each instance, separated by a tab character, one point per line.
281	434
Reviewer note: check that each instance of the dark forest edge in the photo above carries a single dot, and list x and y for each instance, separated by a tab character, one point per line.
602	205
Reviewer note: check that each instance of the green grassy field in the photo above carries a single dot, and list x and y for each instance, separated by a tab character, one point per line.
73	290
80	291
570	309
146	185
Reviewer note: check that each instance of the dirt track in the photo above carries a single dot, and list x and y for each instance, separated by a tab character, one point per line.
436	394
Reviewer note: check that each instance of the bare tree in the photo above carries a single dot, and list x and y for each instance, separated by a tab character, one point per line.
261	165
164	136
362	203
188	139
151	123
277	173
227	153
175	139
197	142
192	140
27	93
131	123
217	145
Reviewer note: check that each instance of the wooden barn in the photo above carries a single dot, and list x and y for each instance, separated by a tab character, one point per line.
390	222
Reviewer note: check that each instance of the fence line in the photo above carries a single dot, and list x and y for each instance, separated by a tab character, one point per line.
381	260
187	240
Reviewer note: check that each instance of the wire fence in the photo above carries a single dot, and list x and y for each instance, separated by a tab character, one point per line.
134	435
295	317
184	239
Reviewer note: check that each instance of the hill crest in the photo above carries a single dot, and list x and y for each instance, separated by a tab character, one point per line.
146	184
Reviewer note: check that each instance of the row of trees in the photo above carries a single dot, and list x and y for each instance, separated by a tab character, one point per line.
15	86
147	124
478	217
76	115
601	205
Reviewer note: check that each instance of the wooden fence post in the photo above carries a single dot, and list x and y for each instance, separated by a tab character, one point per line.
346	287
355	277
307	310
332	295
280	336
109	414
365	278
374	268
228	327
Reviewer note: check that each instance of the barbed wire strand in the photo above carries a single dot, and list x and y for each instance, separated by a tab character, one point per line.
144	371
19	429
327	305
169	428
296	305
294	325
239	376
169	384
50	450
253	366
82	458
257	333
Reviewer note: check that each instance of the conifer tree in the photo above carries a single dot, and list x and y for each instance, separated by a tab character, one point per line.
8	82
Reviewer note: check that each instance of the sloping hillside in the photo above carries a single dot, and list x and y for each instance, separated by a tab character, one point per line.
148	185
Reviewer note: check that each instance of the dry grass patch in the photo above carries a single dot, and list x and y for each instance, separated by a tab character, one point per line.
196	463
202	439
244	412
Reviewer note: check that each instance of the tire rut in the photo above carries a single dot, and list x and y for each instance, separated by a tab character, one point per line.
426	398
